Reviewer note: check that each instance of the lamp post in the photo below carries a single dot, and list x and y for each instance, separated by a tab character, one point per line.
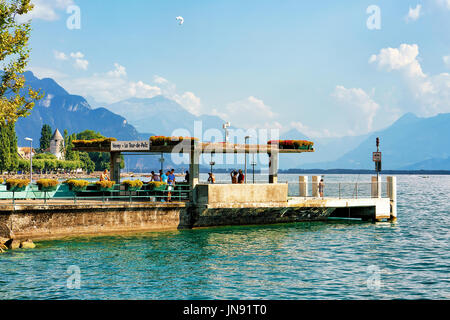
212	163
253	165
246	138
31	158
225	126
162	161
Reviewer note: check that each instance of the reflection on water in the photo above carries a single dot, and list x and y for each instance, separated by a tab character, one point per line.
320	260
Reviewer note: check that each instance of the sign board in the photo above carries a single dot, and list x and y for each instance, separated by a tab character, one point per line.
130	146
376	157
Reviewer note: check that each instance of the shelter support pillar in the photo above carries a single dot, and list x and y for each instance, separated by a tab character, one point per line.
315	186
114	167
194	171
273	167
303	186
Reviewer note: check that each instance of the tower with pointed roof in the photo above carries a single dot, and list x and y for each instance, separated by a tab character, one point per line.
57	145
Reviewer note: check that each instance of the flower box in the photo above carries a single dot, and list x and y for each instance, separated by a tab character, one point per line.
77	185
47	189
47	185
105	185
17	185
156	186
132	185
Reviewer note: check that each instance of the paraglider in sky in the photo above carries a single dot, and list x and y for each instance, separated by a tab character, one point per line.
180	20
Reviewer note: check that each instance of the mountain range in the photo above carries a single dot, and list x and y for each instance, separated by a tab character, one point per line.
411	143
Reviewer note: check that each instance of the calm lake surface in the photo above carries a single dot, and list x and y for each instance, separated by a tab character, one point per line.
409	259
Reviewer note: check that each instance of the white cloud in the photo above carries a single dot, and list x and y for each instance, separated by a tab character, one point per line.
414	14
47	73
446	60
431	92
160	80
360	108
249	113
110	87
118	72
60	55
311	132
402	58
77	55
46	10
189	101
444	3
81	64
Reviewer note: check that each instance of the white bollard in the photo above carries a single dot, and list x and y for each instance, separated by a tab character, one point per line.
303	186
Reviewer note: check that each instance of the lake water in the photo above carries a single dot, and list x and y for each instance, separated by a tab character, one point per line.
409	259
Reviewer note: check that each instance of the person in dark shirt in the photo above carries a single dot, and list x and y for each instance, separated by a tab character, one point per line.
186	177
233	175
241	177
211	178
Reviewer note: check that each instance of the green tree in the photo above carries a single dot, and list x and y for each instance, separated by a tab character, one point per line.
71	154
45	156
15	100
5	158
100	159
87	164
13	152
46	137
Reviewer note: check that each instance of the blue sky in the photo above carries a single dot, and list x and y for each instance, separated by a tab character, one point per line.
313	66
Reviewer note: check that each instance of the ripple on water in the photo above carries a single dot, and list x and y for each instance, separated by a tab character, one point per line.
408	259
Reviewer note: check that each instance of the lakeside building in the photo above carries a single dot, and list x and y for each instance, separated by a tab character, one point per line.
24	152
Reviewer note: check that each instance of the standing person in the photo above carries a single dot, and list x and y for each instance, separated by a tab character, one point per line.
171	183
186	177
211	178
233	175
163	176
171	177
104	176
321	187
155	177
241	177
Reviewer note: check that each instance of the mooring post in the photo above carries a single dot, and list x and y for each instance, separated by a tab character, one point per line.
376	187
315	186
392	194
303	186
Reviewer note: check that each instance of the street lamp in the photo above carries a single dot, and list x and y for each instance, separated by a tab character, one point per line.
246	138
212	163
253	165
31	158
225	126
162	161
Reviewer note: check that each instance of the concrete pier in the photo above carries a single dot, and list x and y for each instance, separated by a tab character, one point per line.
213	205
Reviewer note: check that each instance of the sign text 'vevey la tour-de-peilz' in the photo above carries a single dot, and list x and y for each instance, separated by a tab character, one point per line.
130	146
